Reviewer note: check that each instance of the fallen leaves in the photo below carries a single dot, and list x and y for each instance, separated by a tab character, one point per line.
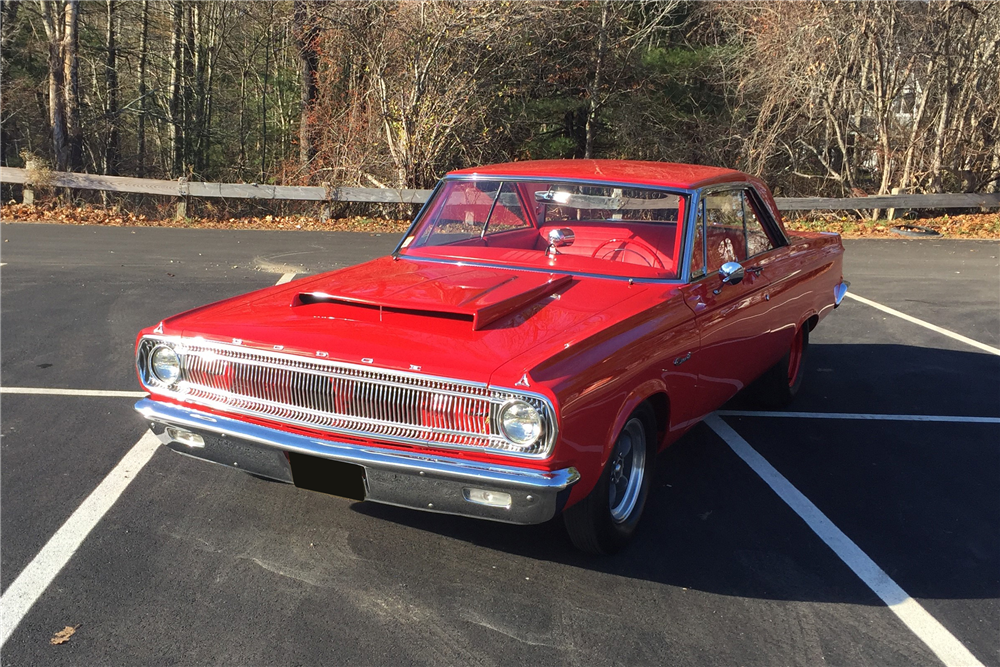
970	225
97	215
63	635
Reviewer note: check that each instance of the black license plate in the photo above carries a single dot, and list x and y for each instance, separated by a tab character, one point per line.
336	478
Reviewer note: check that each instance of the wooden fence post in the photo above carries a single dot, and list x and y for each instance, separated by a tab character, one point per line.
182	199
327	209
890	213
27	189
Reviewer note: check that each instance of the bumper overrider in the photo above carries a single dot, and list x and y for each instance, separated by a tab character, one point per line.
431	483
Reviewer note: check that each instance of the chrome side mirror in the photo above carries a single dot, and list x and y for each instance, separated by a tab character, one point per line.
731	273
560	238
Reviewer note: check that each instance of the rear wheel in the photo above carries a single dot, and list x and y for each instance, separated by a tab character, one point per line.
780	383
605	520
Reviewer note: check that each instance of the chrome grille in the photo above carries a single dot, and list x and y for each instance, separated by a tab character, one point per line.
343	398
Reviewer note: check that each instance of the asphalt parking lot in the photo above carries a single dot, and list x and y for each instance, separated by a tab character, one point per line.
197	564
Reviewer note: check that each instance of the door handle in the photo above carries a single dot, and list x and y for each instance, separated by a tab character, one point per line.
680	360
756	270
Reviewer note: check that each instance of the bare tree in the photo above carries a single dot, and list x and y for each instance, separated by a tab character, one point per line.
142	91
306	38
111	81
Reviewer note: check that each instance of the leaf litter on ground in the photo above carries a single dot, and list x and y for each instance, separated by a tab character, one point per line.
63	635
966	225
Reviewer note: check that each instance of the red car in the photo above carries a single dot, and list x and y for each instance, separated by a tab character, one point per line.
541	332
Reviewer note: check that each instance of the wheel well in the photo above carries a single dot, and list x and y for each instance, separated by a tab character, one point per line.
812	322
660	405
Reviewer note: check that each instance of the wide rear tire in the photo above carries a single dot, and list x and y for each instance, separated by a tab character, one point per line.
779	384
604	521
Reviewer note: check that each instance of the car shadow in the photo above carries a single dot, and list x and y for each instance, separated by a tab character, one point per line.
711	524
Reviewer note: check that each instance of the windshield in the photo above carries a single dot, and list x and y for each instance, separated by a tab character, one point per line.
563	227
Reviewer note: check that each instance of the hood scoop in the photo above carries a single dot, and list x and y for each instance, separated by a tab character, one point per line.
476	295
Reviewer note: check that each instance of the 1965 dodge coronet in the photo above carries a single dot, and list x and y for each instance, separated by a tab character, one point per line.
539	334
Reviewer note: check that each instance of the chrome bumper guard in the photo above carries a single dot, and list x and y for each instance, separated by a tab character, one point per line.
424	482
839	292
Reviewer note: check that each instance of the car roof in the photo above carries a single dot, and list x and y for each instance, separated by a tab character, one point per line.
662	174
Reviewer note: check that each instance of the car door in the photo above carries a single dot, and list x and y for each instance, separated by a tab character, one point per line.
733	319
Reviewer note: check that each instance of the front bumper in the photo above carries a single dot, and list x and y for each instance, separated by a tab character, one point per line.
424	482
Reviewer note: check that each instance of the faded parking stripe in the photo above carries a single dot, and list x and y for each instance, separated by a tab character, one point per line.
937	638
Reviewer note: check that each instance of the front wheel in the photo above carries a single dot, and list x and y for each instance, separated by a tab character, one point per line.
605	520
779	384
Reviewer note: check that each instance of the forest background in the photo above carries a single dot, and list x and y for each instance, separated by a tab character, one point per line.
818	98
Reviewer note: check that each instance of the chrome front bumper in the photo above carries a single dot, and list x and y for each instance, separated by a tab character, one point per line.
424	482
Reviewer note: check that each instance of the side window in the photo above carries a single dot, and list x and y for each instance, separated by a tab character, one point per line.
724	236
507	213
698	248
757	240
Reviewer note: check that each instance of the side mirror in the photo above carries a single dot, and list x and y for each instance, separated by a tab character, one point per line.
731	273
560	238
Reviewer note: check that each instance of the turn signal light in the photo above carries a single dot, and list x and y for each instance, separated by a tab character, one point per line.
491	498
185	437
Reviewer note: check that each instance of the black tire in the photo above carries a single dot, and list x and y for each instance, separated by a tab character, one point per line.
593	524
777	387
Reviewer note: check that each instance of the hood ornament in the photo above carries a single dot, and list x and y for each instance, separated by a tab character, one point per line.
523	382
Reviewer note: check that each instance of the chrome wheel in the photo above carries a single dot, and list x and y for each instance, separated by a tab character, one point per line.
628	466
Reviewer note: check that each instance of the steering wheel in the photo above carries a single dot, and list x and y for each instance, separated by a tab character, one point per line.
611	254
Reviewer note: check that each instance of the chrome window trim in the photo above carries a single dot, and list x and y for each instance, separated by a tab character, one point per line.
763	211
532	269
689	195
382	392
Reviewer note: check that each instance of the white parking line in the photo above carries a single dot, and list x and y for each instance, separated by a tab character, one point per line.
24	591
285	278
36	577
944	645
862	416
926	325
70	392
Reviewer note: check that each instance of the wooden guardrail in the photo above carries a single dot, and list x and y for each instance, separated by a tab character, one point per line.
183	189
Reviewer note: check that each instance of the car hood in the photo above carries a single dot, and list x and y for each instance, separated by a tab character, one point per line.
440	319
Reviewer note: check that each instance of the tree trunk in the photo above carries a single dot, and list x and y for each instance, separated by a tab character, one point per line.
918	116
141	123
939	139
111	78
187	92
71	85
176	135
54	31
305	37
263	108
208	75
602	47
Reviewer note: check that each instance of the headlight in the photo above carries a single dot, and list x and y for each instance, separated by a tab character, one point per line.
520	423
165	364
